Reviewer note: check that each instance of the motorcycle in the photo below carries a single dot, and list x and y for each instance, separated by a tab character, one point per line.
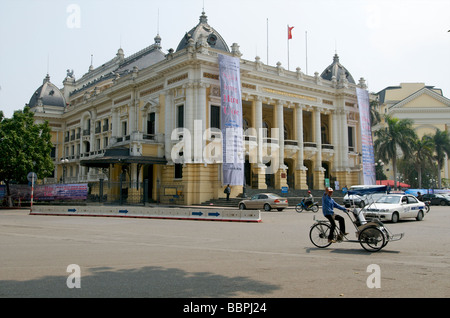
311	206
427	205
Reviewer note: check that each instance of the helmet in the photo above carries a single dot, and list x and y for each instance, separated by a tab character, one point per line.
309	191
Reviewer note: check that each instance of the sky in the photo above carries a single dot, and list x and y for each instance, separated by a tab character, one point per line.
385	42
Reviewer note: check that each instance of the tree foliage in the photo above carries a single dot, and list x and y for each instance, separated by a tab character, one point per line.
397	137
24	147
441	147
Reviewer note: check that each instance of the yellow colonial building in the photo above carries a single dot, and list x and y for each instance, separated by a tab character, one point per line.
425	105
120	122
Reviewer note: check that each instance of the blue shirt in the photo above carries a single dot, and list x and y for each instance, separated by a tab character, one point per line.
328	204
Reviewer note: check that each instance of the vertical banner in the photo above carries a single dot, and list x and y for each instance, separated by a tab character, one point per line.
368	158
231	120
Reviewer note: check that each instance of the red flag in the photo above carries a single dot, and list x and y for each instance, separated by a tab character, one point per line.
290	32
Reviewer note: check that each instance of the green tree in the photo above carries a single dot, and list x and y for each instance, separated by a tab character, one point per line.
375	116
24	147
441	147
397	135
422	152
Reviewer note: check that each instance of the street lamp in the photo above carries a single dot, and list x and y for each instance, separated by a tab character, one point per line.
378	173
64	161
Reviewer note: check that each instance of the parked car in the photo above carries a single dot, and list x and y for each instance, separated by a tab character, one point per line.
436	199
359	199
394	207
266	201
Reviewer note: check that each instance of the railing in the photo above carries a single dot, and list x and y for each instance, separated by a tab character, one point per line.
308	144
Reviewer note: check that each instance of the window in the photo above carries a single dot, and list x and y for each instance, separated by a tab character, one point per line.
351	144
215	117
180	116
124	128
105	124
151	124
105	142
178	171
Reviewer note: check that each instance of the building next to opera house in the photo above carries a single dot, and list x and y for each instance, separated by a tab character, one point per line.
120	122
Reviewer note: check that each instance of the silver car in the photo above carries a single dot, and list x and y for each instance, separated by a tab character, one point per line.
266	201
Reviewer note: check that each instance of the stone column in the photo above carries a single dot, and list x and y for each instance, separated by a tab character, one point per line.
259	169
189	115
168	124
300	169
280	175
318	170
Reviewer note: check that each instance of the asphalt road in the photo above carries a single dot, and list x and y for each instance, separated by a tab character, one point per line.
120	257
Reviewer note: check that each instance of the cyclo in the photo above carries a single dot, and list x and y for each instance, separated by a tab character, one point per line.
372	234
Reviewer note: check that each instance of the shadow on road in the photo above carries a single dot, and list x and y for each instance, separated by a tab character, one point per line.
148	281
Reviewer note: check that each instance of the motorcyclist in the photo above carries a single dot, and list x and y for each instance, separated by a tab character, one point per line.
309	199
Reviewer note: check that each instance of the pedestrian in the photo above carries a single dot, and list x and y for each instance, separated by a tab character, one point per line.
419	196
327	208
227	191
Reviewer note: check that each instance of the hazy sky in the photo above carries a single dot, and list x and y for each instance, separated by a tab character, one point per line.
386	42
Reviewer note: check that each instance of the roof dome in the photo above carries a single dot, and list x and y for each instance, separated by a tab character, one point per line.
47	95
204	29
338	70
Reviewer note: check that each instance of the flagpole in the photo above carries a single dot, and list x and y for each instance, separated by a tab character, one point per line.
288	45
267	34
306	48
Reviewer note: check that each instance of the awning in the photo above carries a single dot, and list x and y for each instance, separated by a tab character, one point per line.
391	183
121	156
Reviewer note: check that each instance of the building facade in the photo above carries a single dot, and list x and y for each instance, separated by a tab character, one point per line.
425	105
120	122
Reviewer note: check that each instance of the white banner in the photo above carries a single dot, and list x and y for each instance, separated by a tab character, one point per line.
231	120
368	158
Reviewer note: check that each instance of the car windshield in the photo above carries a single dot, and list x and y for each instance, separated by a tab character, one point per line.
389	199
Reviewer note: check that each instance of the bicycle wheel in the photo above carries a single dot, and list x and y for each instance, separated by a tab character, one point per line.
299	208
319	234
372	239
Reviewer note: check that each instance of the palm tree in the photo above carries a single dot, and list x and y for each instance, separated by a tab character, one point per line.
398	134
422	151
441	147
375	117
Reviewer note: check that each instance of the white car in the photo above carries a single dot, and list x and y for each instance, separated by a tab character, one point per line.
362	200
394	207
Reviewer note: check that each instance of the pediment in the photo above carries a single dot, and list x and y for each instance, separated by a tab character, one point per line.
423	99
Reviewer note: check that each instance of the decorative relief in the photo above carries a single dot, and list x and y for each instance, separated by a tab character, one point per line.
277	92
177	79
211	76
123	99
151	90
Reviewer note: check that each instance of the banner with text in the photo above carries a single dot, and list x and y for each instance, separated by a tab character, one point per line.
368	157
231	120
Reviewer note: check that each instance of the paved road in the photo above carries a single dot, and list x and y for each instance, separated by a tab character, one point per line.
173	258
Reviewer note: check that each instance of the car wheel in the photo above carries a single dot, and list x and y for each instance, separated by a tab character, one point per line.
419	216
443	203
395	217
242	206
267	207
